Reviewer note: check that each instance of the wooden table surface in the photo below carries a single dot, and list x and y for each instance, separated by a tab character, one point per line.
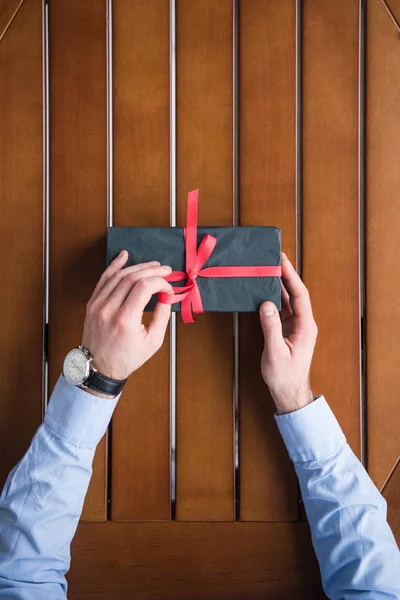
281	114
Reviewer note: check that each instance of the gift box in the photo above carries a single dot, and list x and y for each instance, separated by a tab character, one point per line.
221	269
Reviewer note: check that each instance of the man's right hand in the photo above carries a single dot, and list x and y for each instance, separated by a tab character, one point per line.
289	342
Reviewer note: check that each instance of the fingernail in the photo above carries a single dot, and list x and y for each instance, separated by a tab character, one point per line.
267	310
154	262
284	255
166	267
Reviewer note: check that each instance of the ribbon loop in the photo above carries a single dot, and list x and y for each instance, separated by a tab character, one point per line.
189	294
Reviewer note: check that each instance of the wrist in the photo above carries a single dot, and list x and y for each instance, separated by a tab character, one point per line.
98	394
114	369
287	402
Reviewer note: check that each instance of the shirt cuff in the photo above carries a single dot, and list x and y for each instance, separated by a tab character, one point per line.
77	416
312	432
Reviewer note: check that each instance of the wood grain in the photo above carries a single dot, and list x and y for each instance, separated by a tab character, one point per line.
21	239
391	493
382	228
141	440
78	159
268	488
8	10
204	354
188	561
330	203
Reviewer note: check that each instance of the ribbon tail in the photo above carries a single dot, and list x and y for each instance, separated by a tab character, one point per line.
197	305
186	310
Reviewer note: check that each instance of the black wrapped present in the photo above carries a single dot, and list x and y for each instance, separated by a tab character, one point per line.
221	269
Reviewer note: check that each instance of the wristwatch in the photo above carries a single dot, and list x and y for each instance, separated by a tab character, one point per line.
78	370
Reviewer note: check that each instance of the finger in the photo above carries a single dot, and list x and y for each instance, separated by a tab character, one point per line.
272	329
110	286
140	296
286	310
112	268
158	324
124	287
298	293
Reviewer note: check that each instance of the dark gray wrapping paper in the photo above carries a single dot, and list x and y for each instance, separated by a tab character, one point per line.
236	246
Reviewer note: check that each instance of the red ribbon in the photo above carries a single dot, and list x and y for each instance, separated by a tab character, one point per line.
189	294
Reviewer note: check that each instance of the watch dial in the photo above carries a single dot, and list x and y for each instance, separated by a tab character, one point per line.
75	367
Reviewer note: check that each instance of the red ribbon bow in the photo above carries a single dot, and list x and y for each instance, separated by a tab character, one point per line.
189	294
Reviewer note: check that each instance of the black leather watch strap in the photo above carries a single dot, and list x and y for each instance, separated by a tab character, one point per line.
104	385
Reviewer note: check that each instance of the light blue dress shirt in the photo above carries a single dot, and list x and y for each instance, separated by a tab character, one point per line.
43	497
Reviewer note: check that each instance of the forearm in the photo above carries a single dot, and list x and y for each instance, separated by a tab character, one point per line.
43	497
350	533
355	547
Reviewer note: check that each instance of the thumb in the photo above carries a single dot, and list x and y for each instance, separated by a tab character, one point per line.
159	323
272	328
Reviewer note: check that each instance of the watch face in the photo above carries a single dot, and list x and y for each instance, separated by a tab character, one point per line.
76	367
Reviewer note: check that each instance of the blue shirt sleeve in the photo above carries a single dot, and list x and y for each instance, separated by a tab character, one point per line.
43	496
356	550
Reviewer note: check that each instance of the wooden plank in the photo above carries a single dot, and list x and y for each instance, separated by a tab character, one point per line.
268	487
8	10
187	561
21	239
204	355
78	159
140	442
330	205
382	227
391	493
